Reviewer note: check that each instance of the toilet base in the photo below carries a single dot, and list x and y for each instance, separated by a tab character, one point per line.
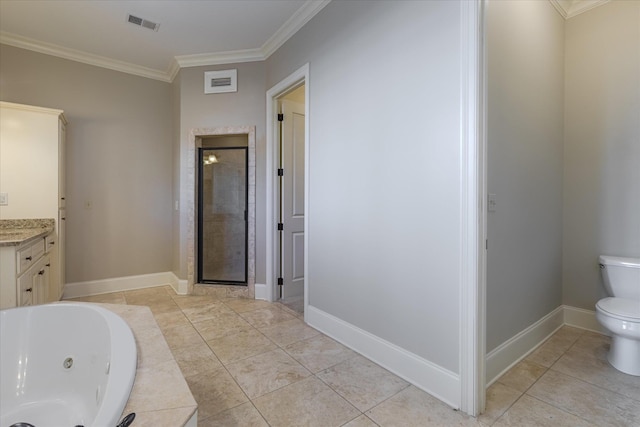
624	355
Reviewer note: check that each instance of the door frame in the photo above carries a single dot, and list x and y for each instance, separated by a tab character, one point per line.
473	193
295	79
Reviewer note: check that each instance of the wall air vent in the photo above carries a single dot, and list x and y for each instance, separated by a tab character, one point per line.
142	22
221	81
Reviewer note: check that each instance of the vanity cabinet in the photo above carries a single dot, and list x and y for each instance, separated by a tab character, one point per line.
32	175
27	273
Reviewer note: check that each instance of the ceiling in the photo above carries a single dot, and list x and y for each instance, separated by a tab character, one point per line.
191	33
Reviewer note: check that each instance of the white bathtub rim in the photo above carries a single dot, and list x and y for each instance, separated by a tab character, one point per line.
111	406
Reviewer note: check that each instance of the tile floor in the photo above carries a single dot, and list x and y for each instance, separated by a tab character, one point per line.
254	363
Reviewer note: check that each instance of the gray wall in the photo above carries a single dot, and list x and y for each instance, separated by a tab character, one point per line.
246	107
118	158
384	214
602	145
524	165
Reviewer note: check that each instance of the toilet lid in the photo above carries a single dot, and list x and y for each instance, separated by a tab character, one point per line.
621	307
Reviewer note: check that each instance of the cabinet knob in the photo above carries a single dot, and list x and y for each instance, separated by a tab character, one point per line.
41	272
28	290
28	258
47	265
52	243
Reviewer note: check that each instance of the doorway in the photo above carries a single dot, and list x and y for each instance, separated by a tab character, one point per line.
288	191
291	147
222	213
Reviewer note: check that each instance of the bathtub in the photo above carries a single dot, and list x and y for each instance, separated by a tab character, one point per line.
64	364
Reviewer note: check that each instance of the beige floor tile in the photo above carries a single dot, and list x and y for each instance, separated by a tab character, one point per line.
245	415
361	421
319	353
266	316
361	382
288	332
112	298
152	347
549	352
266	372
164	306
215	391
139	318
182	336
309	403
295	305
147	296
531	412
587	360
196	359
204	312
523	375
499	398
413	407
239	346
602	407
171	319
190	301
240	305
147	395
168	417
222	325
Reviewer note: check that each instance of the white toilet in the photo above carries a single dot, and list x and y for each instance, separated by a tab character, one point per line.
620	313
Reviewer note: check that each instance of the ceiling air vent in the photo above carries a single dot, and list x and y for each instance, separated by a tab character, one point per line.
221	81
142	22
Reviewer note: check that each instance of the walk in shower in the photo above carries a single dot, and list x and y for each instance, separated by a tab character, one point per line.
222	212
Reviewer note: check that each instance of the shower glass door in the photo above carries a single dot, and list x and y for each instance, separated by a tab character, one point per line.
222	215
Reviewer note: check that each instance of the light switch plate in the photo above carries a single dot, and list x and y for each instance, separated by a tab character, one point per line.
4	199
492	203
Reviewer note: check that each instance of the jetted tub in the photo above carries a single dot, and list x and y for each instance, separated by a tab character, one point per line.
64	364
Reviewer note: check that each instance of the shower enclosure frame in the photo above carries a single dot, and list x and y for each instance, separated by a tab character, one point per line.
200	211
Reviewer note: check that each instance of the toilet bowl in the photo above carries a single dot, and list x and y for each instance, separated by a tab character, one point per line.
620	313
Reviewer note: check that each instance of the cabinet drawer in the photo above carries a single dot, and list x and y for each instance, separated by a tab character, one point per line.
50	242
37	249
25	290
25	259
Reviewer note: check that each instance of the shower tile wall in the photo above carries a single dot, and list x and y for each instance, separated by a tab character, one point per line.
224	231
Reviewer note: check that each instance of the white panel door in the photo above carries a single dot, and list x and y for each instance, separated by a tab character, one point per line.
293	199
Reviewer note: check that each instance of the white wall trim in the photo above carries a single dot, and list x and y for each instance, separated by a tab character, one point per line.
83	57
570	8
261	291
303	15
584	319
435	380
301	75
116	284
472	230
512	351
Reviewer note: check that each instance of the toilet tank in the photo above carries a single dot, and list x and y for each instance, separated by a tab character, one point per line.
621	276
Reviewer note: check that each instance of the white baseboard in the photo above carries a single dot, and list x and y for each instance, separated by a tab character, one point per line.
261	291
507	354
178	285
96	287
435	380
581	318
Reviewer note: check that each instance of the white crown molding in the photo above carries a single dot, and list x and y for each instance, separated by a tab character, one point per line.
229	57
80	56
293	24
303	15
570	8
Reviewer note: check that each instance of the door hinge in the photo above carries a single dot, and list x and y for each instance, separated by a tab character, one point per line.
280	172
280	226
280	281
486	244
280	117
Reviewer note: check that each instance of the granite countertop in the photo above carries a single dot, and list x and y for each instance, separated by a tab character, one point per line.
14	232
